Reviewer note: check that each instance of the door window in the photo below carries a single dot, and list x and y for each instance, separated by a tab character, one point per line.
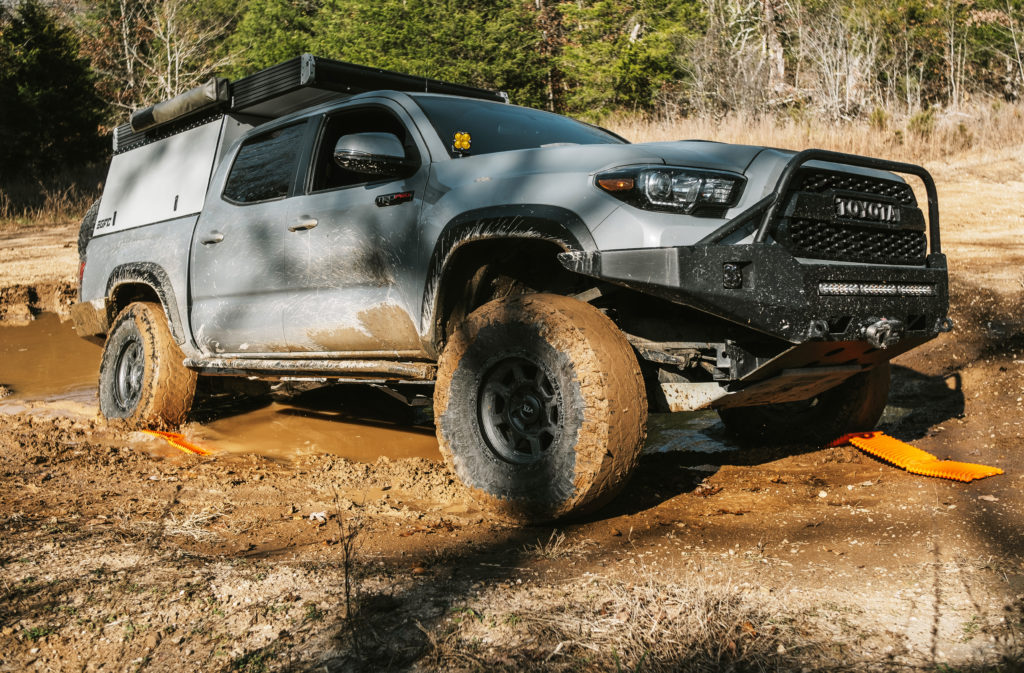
265	166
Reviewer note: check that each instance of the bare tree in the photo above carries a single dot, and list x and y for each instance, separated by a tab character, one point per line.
843	56
179	50
1006	21
955	50
727	67
772	44
150	50
1013	28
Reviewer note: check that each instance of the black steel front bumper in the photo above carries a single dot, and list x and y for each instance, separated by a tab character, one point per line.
762	286
779	295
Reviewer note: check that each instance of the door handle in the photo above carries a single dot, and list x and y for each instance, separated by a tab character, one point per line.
213	237
304	224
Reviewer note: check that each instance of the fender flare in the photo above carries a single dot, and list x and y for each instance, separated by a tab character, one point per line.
153	276
540	222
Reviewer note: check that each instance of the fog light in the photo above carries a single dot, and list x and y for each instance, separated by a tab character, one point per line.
732	276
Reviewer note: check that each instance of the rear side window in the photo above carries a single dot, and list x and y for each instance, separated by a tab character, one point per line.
265	166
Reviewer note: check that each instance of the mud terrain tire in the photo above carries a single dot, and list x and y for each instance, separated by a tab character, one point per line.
142	380
86	228
540	407
855	405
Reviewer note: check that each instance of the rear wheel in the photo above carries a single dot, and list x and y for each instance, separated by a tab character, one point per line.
540	407
855	405
142	379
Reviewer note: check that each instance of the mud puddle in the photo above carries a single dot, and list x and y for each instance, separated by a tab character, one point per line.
45	360
697	432
360	423
46	369
49	369
352	421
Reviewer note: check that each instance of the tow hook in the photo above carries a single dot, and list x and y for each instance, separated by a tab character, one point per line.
883	332
817	330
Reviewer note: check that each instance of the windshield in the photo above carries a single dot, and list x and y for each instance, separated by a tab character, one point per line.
499	127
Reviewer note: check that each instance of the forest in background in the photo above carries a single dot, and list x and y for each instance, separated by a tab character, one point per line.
909	71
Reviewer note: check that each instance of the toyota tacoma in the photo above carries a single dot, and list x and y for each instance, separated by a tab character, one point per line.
327	222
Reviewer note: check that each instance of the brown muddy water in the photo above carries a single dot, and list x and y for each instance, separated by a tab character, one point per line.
46	360
353	421
48	368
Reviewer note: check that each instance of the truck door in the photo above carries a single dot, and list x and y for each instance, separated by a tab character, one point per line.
240	273
354	245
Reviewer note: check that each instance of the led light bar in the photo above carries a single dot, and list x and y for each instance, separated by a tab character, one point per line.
839	289
879	290
833	289
917	290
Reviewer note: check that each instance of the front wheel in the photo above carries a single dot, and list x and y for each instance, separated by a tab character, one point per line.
142	379
540	407
855	405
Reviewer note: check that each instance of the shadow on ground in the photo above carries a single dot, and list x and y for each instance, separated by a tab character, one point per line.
346	403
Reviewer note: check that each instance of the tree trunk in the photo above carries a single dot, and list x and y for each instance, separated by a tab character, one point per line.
773	45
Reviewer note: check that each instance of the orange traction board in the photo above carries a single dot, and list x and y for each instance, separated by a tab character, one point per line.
913	459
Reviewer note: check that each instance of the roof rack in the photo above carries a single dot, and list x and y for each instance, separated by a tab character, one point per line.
295	84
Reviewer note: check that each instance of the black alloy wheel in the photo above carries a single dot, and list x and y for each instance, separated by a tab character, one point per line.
129	371
519	410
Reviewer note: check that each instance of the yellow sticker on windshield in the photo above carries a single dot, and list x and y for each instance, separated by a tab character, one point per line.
462	141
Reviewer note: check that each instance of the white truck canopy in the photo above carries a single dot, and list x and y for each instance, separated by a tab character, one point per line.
164	157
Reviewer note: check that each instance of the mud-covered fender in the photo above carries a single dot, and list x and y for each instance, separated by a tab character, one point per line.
541	222
153	276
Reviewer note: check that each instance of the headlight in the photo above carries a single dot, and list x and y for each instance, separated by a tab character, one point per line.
681	190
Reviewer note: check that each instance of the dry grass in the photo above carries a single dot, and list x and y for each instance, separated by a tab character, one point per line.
193	525
557	547
676	624
924	137
62	198
648	624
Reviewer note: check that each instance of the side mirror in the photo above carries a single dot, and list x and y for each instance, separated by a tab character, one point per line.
371	153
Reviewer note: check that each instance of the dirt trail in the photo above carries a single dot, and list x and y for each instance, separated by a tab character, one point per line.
38	270
293	548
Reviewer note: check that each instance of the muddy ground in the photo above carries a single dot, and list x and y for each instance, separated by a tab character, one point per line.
322	533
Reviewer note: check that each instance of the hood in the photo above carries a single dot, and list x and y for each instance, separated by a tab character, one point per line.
596	158
704	154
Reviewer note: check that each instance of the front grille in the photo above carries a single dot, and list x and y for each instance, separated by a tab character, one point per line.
814	230
827	181
826	240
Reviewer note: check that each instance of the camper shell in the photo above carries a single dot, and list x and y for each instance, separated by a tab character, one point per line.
165	154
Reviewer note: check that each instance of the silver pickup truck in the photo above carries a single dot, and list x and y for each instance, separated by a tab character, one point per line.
322	221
